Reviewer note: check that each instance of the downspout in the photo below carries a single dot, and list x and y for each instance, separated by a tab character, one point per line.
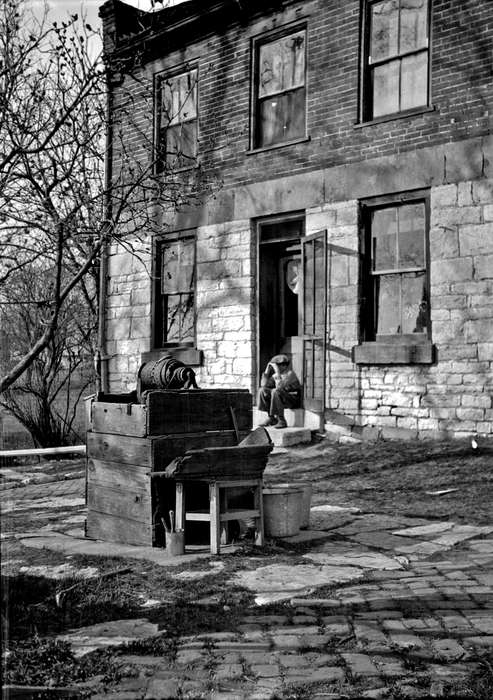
102	357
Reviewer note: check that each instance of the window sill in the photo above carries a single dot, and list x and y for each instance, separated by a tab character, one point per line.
189	355
378	353
395	115
281	144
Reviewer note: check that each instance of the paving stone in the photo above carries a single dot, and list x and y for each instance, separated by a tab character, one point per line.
185	657
228	671
366	632
265	670
329	674
304	619
360	665
389	666
258	658
316	602
293	661
364	560
292	629
483	624
425	530
382	540
335	629
479	641
448	649
286	641
162	688
405	641
314	640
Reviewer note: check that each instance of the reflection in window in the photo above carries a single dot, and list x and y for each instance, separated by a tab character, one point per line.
396	56
177	121
397	281
280	90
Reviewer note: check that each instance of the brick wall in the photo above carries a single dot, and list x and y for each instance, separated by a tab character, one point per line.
462	90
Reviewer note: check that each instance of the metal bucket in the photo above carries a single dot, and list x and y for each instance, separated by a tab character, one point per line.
306	502
282	510
175	543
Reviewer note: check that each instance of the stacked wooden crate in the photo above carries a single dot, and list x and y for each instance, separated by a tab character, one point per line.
127	441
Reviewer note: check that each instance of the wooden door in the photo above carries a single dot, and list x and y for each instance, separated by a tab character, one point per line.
313	319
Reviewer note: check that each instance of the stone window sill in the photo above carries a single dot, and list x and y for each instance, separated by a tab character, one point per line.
280	144
189	355
378	353
415	112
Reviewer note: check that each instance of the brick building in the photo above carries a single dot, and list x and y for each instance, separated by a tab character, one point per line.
353	228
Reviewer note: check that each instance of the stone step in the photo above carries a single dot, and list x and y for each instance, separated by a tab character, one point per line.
286	437
295	418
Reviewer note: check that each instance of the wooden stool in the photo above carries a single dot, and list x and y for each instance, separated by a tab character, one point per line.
219	512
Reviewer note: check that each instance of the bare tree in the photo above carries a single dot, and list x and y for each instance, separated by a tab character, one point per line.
57	209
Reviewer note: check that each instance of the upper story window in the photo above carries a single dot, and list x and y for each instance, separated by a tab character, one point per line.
177	114
280	89
396	57
174	302
395	269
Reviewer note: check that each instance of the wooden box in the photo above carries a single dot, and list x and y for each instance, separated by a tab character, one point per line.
127	441
174	412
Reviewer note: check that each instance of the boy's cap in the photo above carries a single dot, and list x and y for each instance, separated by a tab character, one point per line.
280	360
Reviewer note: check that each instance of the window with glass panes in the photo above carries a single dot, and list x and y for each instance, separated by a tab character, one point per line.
396	61
396	287
280	91
175	291
177	120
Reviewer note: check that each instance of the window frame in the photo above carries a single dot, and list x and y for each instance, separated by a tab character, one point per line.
366	110
367	275
160	162
157	308
255	100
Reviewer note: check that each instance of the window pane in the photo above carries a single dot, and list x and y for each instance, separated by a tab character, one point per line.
411	235
386	88
179	325
282	64
282	118
413	25
179	98
414	304
308	286
387	307
384	30
319	287
384	239
181	144
414	81
177	266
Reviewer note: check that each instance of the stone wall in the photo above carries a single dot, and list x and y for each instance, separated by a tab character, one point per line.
453	396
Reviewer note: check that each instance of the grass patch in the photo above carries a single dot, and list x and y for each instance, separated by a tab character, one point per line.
45	662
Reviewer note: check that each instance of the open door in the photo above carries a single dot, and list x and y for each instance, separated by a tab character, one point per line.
313	319
279	290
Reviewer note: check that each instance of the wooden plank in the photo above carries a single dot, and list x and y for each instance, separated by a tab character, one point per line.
119	418
111	528
215	543
122	476
199	410
42	451
166	448
215	462
119	448
133	504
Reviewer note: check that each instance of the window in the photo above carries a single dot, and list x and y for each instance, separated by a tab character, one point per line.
176	136
396	57
395	271
175	291
280	93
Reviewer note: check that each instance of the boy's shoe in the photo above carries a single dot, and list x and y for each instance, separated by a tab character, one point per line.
271	420
281	423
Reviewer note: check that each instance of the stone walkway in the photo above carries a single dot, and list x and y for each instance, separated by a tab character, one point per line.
375	606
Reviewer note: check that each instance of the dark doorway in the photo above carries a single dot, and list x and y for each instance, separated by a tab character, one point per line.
279	282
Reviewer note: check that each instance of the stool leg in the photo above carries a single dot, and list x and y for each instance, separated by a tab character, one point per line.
180	506
215	522
259	505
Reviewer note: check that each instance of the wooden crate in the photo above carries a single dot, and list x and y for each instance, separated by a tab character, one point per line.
120	500
174	412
